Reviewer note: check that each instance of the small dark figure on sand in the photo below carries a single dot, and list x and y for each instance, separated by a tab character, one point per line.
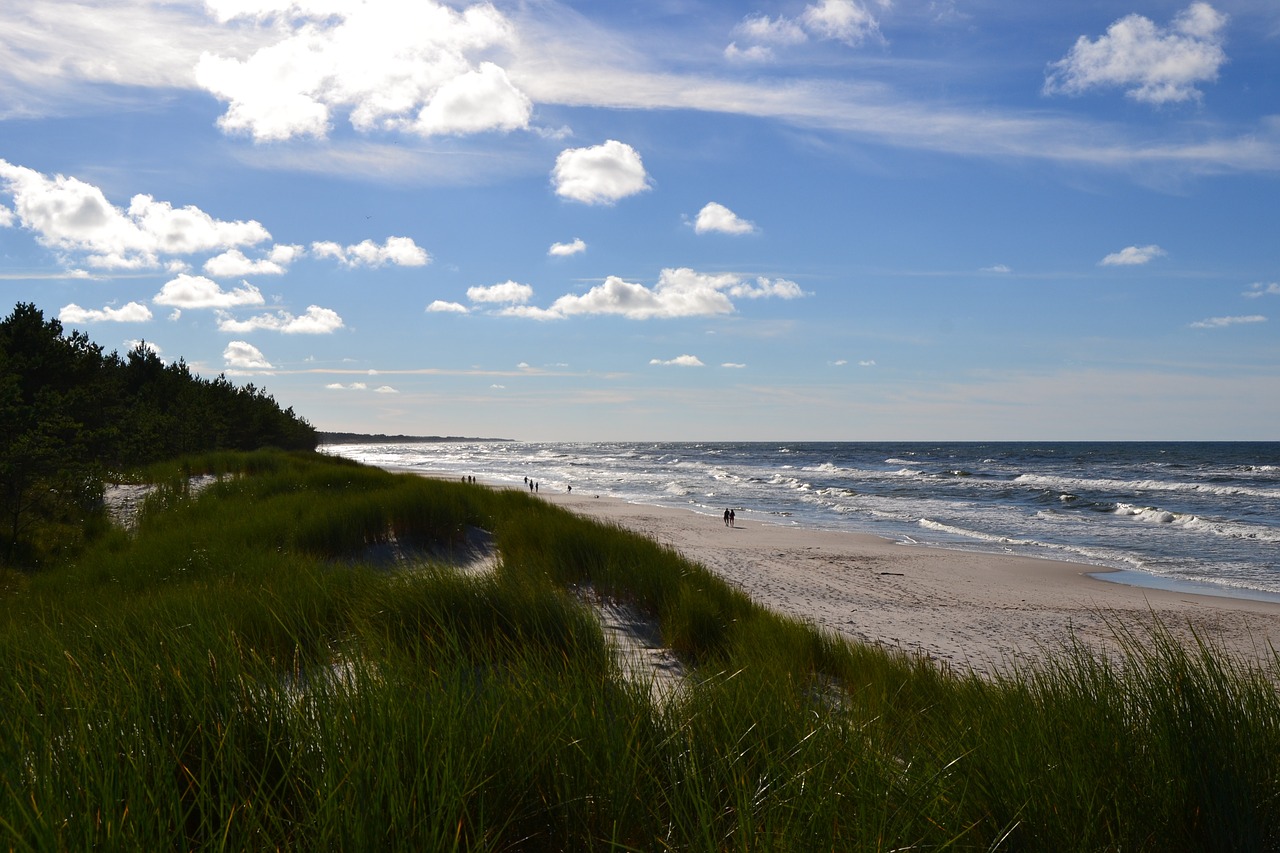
733	520
726	518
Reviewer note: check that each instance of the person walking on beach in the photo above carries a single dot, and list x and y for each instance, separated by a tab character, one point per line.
733	521
726	518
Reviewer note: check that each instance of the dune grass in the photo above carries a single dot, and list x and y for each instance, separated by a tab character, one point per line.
234	675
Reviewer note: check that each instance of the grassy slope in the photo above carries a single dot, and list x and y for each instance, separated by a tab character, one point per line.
233	676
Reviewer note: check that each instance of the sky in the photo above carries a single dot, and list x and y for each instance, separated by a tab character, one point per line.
564	220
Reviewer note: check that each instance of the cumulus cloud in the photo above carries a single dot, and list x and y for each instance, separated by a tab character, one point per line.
1131	256
354	386
847	21
678	361
406	65
74	216
316	321
870	362
6	217
562	250
134	343
133	312
385	389
679	292
441	307
400	251
233	263
508	291
196	291
245	356
1153	64
1224	322
715	217
600	174
733	365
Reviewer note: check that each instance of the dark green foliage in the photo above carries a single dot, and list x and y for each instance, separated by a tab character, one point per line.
69	414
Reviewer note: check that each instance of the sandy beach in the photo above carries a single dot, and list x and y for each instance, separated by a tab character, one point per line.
968	611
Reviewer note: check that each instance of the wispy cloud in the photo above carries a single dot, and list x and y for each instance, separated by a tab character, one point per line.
1224	322
1260	289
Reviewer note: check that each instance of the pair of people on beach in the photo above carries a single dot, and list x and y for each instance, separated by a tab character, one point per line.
729	518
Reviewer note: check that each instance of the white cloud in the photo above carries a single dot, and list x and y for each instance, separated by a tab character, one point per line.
761	29
71	215
751	53
1153	64
133	312
385	389
679	361
133	344
508	291
715	217
196	291
316	321
401	251
1260	289
400	65
562	250
680	292
234	264
477	101
1223	322
764	288
844	20
1000	268
245	356
354	386
733	365
6	217
839	362
1132	256
870	362
440	306
601	174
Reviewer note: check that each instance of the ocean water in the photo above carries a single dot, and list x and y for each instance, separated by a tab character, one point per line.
1201	517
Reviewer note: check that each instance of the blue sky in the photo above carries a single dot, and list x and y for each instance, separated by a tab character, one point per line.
820	219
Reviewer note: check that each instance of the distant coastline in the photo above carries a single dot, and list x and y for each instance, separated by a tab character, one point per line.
379	438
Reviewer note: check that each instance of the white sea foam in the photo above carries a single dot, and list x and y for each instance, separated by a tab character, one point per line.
1127	486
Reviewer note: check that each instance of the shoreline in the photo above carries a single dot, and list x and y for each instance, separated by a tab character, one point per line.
967	610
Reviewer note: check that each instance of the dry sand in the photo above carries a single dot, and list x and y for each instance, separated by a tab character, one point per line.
965	610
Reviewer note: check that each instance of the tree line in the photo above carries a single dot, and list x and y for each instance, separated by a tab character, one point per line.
71	414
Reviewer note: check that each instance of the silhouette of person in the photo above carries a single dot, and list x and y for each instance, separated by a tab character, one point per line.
733	521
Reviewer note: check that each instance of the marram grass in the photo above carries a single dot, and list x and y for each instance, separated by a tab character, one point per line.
235	675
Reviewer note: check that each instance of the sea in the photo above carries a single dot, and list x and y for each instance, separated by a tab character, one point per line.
1190	516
